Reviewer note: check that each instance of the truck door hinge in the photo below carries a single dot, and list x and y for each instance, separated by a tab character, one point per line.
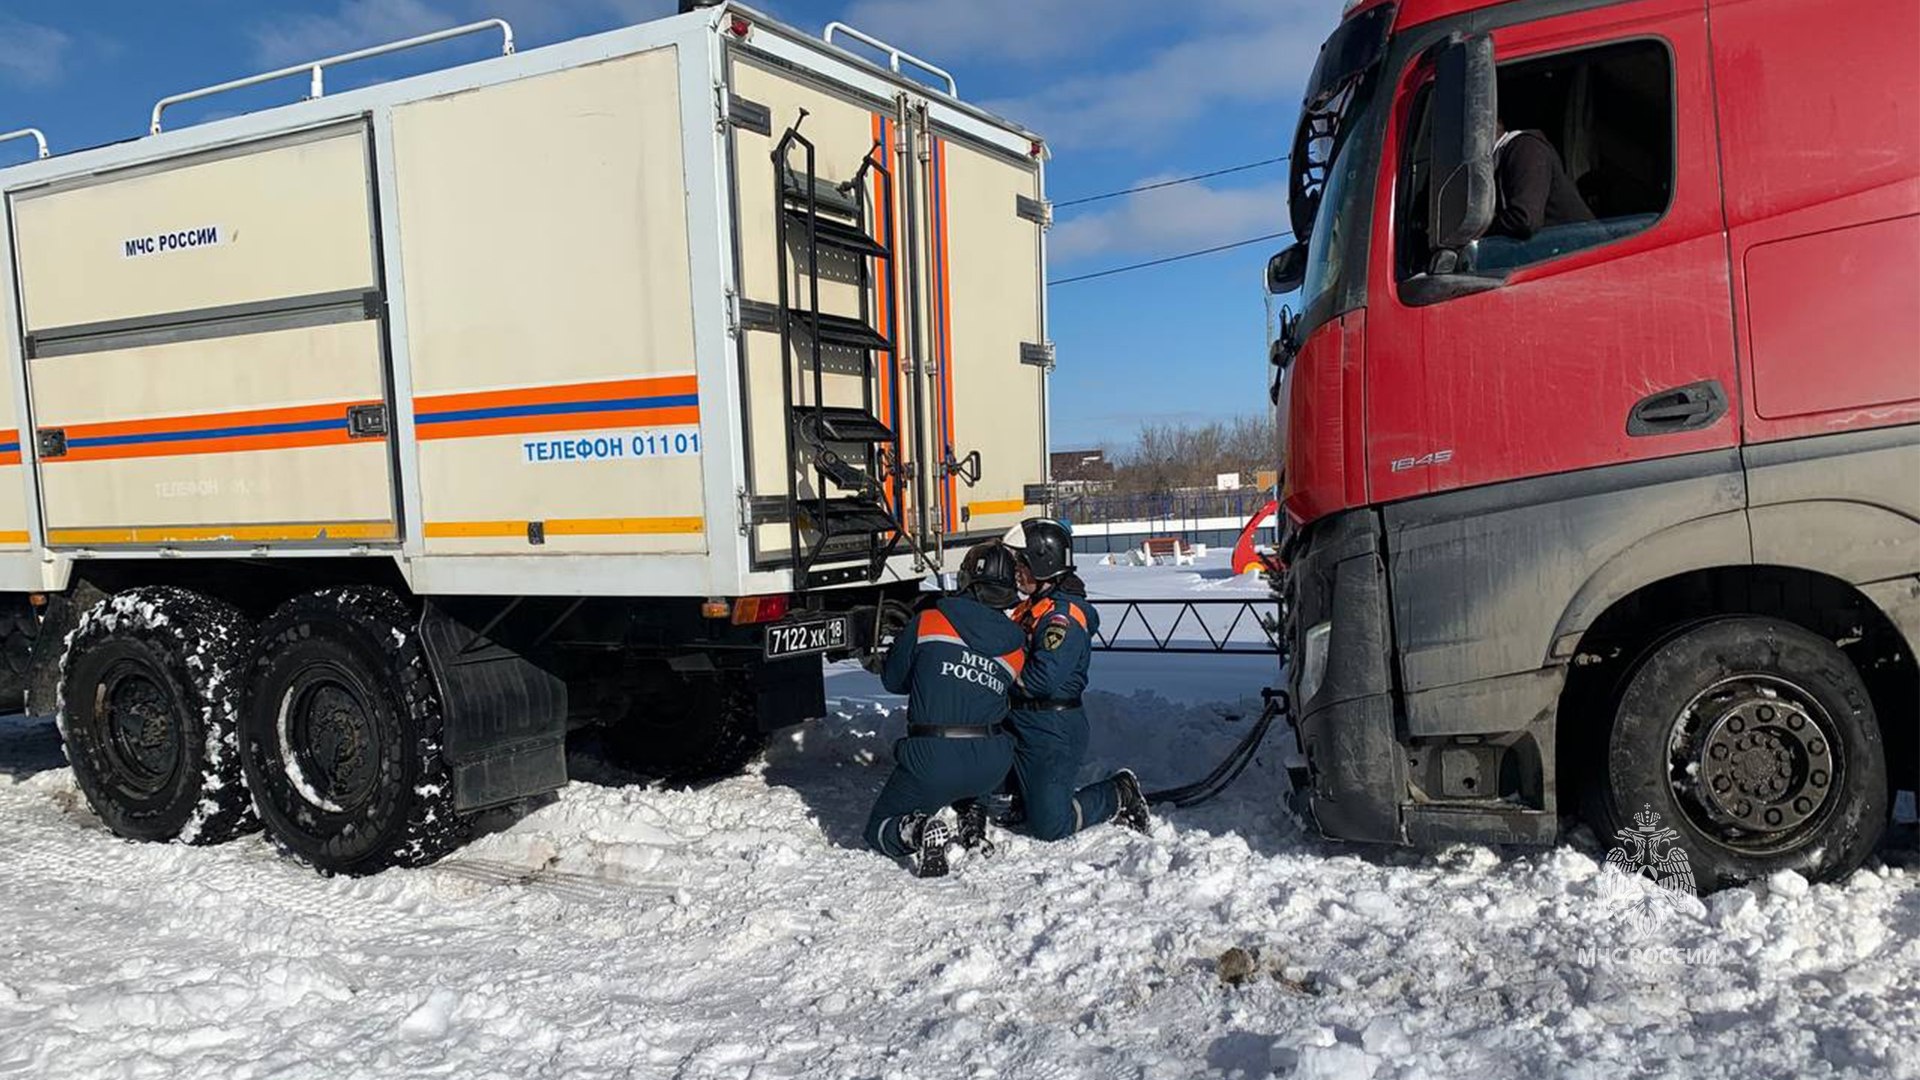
52	442
1038	211
749	115
762	510
1039	354
757	315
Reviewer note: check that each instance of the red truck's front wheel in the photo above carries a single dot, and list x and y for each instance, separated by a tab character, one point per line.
1756	741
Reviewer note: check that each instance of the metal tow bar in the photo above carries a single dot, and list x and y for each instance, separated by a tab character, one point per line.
1235	763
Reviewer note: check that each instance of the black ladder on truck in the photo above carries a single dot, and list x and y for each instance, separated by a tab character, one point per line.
850	457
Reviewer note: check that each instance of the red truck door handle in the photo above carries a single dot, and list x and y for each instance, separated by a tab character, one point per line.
1682	408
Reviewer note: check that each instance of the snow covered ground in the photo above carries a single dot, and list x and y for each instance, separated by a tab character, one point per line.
740	930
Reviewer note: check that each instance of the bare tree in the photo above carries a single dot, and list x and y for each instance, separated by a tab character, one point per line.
1173	457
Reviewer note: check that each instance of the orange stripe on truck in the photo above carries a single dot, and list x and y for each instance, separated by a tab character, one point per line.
649	526
655	402
211	433
237	533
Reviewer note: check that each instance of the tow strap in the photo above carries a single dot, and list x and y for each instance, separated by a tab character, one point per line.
1235	762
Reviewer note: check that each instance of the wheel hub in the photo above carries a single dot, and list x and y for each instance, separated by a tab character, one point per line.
143	736
335	743
1765	759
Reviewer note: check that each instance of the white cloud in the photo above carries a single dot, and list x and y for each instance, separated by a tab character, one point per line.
32	55
1169	220
944	31
551	20
355	24
1261	56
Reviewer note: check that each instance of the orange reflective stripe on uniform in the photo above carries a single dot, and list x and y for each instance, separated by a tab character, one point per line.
1015	661
1030	613
933	626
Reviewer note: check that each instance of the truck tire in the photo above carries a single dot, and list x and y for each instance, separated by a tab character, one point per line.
341	735
148	709
1756	741
687	728
19	627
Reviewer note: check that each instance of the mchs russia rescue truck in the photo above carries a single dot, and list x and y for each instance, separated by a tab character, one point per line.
366	444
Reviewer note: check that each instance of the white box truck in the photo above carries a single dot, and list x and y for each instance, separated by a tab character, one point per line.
366	444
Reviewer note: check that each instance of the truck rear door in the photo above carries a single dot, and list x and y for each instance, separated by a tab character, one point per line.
925	263
986	352
205	352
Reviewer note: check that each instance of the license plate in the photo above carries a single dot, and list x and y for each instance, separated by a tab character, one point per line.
811	636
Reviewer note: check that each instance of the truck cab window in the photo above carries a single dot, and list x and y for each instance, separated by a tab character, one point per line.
1585	157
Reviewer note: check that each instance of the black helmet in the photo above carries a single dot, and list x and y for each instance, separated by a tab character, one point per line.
1045	544
989	574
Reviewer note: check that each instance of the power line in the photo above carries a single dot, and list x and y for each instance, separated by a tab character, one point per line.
1169	183
1170	258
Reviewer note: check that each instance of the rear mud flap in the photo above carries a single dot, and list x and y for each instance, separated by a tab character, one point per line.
505	717
61	616
788	692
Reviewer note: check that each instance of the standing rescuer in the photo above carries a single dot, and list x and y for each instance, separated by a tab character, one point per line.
1049	725
957	662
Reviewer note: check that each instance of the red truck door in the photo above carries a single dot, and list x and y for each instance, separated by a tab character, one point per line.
1596	345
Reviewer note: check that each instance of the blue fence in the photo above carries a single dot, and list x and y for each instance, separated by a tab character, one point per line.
1091	509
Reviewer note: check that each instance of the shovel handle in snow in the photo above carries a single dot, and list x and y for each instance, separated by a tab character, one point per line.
1234	764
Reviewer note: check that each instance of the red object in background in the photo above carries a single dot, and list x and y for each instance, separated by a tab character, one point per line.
1245	558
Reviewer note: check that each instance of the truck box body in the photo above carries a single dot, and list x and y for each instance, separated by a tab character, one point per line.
488	323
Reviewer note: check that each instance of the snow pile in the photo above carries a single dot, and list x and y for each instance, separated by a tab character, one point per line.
740	929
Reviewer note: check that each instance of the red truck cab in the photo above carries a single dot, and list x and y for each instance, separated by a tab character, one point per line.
1619	513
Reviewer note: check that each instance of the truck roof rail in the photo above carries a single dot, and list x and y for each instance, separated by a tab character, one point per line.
894	55
314	68
39	138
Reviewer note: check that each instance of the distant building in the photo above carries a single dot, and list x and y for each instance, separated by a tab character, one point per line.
1081	468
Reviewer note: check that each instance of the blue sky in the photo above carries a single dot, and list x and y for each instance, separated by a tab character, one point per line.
1127	91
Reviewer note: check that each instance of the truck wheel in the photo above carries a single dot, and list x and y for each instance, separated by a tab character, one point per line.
342	735
19	626
684	728
1756	741
149	710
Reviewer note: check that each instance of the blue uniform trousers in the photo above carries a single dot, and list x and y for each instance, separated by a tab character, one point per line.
1049	745
929	773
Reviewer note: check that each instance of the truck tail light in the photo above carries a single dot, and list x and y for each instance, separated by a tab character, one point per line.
715	609
749	610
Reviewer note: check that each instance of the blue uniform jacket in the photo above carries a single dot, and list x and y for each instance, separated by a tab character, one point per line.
1060	628
956	662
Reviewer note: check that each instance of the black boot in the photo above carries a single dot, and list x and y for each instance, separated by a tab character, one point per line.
972	833
1132	812
928	837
